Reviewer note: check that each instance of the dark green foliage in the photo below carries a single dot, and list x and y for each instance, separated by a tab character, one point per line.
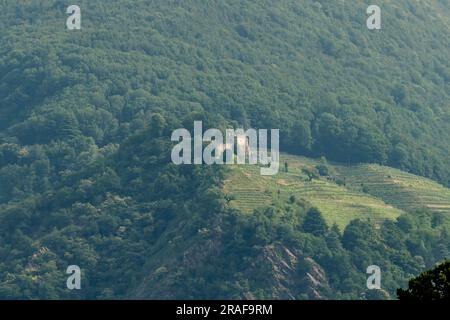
432	285
314	223
85	125
105	216
310	173
365	97
322	169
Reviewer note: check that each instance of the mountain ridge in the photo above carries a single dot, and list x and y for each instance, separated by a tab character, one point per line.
86	176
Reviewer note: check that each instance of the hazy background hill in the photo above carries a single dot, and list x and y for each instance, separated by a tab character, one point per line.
310	68
85	123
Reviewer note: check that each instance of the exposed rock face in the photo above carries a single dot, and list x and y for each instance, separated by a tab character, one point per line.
273	273
316	280
286	280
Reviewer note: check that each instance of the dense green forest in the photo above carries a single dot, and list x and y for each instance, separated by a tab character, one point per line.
85	124
431	285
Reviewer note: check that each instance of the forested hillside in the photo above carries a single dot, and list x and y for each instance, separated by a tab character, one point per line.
85	123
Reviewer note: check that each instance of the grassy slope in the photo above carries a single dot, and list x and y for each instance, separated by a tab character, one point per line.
401	189
389	192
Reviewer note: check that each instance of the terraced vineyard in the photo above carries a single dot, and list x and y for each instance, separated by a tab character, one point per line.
398	188
249	190
371	192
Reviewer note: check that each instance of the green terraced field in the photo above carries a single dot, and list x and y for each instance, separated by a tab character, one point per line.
388	192
398	188
249	190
